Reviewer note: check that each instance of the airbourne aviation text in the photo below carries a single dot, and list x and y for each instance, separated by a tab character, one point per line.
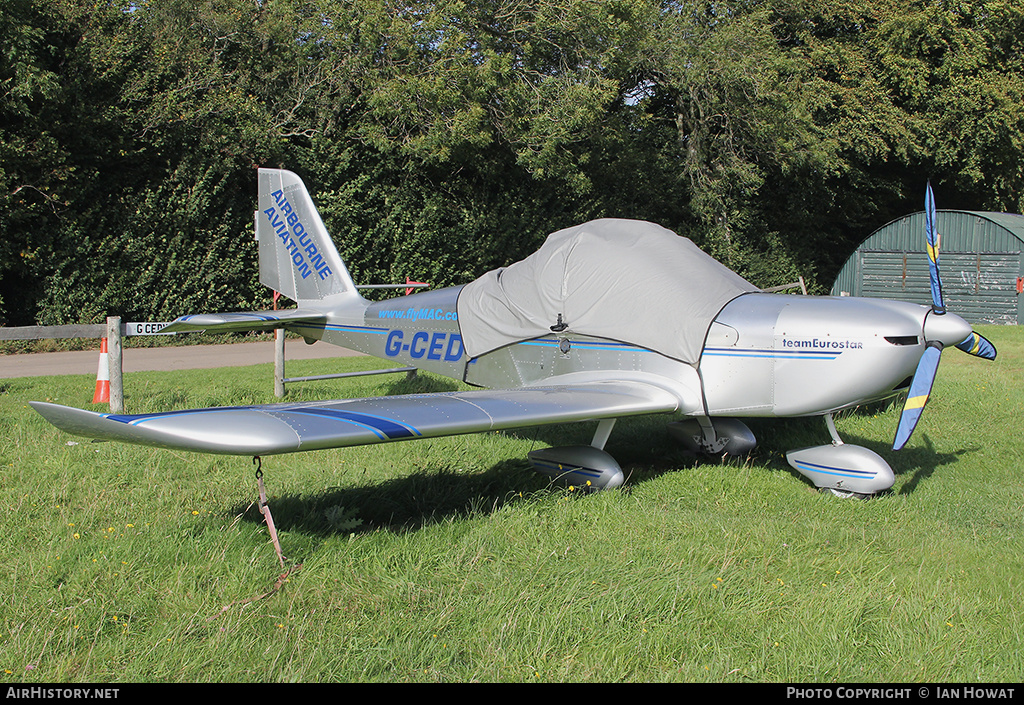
305	255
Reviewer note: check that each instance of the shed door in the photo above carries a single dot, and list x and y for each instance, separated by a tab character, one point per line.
980	286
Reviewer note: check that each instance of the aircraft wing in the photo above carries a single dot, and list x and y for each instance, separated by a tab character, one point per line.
243	321
287	428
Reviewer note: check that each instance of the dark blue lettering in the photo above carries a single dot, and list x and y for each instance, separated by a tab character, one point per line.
393	345
436	343
420	337
453	353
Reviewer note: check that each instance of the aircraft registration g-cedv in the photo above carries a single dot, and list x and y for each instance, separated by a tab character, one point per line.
608	319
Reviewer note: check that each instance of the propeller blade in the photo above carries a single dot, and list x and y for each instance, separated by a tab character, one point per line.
917	397
978	345
934	241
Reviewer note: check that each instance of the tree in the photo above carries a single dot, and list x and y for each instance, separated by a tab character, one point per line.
35	40
958	68
443	138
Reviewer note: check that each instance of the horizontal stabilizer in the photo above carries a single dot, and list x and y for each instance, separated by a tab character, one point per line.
286	428
243	321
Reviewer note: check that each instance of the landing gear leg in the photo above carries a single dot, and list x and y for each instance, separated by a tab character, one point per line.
831	424
604	429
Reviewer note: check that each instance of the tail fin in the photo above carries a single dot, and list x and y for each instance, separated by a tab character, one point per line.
297	256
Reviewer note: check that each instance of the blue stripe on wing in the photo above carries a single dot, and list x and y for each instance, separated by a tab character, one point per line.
391	429
384	428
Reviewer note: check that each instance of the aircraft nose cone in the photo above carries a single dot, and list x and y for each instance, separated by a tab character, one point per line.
948	328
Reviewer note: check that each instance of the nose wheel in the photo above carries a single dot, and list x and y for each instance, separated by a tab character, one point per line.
847	471
846	495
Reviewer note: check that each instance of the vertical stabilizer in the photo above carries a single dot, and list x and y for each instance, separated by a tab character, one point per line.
297	256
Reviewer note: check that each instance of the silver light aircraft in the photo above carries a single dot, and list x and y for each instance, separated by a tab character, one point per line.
608	319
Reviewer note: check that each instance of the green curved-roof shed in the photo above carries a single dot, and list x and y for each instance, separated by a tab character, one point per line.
980	263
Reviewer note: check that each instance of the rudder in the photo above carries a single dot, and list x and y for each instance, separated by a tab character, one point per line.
297	256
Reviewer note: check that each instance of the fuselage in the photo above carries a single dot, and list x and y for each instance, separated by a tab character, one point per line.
765	354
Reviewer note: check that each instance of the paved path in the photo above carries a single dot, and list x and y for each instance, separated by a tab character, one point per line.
169	358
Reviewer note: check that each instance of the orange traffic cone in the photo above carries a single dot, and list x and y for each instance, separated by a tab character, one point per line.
102	376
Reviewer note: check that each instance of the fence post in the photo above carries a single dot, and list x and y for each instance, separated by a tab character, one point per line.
279	362
114	353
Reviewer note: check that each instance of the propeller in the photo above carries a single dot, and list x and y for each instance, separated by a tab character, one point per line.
939	331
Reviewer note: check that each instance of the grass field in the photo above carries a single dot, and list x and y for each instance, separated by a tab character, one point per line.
449	560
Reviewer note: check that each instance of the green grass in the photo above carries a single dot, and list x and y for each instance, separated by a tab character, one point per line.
449	560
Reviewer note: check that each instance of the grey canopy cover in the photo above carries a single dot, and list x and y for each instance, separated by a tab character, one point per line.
625	280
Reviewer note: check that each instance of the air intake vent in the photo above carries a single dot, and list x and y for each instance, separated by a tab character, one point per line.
902	339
